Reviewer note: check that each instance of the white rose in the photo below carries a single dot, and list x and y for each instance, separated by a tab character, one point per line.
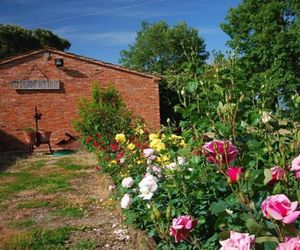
148	186
126	201
171	166
181	160
146	194
127	182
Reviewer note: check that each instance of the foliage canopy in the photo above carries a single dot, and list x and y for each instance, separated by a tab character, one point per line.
266	36
15	40
159	48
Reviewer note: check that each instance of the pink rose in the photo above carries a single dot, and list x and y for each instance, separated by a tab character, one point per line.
182	226
290	244
220	152
241	241
234	174
296	166
148	152
277	174
279	207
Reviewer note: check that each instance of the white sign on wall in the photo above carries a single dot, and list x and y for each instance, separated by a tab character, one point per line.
35	84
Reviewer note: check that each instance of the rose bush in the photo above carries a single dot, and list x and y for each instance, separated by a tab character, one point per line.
234	169
156	185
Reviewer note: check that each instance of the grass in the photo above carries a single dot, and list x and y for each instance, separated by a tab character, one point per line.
73	167
38	239
43	178
85	245
33	204
74	212
37	164
51	183
67	164
23	224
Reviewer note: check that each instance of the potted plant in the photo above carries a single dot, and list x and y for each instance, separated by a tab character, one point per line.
29	135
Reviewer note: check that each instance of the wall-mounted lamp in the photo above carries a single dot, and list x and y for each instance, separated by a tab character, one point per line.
47	55
59	62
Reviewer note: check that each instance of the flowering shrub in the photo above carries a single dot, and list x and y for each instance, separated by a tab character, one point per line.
101	116
230	181
159	177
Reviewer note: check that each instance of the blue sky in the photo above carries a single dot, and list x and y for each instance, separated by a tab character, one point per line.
102	28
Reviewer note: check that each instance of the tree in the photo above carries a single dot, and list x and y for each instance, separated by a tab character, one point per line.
15	40
159	48
266	36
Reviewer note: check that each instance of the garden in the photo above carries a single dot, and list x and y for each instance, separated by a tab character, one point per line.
226	179
223	172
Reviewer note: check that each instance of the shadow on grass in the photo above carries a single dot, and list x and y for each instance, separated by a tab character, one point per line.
11	149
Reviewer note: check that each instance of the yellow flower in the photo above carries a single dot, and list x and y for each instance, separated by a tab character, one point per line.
157	144
113	162
131	146
175	137
120	138
182	144
153	136
139	131
160	146
164	160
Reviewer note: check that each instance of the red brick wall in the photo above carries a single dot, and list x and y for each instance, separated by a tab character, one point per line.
59	107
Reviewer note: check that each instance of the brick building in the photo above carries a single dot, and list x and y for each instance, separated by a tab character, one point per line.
52	81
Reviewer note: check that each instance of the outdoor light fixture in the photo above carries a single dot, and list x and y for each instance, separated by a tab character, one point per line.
47	55
59	62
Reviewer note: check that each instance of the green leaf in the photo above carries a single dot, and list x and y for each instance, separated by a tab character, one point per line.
218	207
254	145
224	235
219	90
277	188
298	195
254	227
268	175
264	239
224	130
222	185
270	245
201	220
195	160
191	87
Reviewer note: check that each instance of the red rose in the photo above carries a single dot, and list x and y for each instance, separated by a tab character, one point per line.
114	147
234	174
89	139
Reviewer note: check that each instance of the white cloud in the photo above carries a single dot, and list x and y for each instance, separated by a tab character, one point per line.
106	38
68	29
